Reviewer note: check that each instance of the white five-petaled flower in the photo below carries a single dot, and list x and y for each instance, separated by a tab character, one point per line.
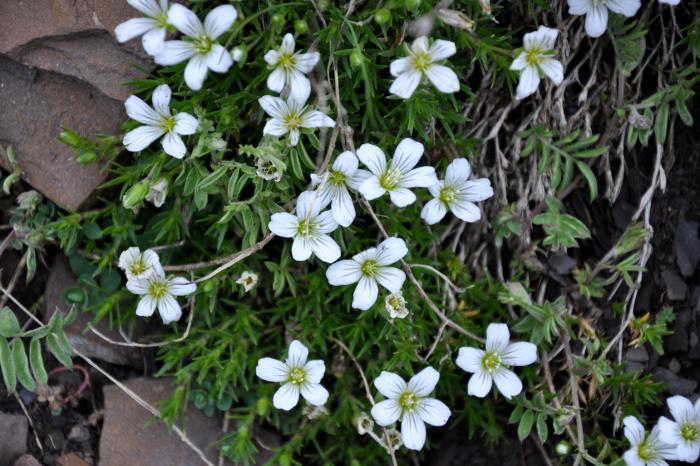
297	376
646	449
396	305
248	280
684	430
492	365
398	176
289	116
458	194
290	69
368	269
201	48
596	12
139	265
421	62
157	292
334	184
153	27
409	403
158	121
309	228
537	59
158	192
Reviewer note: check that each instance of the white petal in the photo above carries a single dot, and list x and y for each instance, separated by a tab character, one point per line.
688	453
173	52
153	41
424	382
477	190
316	119
632	458
138	139
520	354
597	21
294	137
497	337
169	309
186	124
219	20
287	44
543	39
306	61
173	145
433	412
442	49
133	27
433	211
219	60
457	172
283	224
405	84
507	382
519	63
627	8
529	81
391	250
400	66
180	286
668	431
373	158
634	430
391	278
413	431
469	359
325	248
314	370
298	354
407	155
276	80
146	307
140	111
443	78
357	178
681	408
343	208
272	370
325	222
421	177
314	393
480	384
346	163
301	249
371	189
420	44
147	7
365	294
553	69
390	385
308	204
436	188
139	287
274	106
344	272
286	397
196	72
465	211
275	127
161	99
386	412
185	20
402	197
299	86
580	7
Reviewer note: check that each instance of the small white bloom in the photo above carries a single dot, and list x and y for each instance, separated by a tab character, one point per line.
290	69
139	265
157	292
398	176
409	403
158	192
289	116
394	440
396	305
201	49
422	62
158	121
369	269
237	54
296	375
309	228
492	365
684	430
153	27
343	173
364	423
458	194
267	170
314	412
248	280
646	449
536	60
596	12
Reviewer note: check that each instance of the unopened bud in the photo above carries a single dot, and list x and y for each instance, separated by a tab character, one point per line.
456	19
137	193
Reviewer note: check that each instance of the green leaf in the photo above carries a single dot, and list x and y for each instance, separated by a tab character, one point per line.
56	348
542	429
661	124
37	362
22	365
590	178
516	415
8	366
92	230
9	326
525	425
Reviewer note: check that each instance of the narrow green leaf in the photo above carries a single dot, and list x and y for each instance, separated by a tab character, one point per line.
56	349
9	326
8	366
37	362
661	124
19	357
525	425
590	178
542	429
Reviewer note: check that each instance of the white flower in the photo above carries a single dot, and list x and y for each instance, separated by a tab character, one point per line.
158	192
290	69
309	228
408	402
670	2
394	440
684	430
138	265
343	173
596	12
536	60
157	292
396	305
238	53
153	27
458	194
289	116
248	280
421	62
368	269
296	375
267	170
492	365
399	175
158	121
364	423
646	449
202	50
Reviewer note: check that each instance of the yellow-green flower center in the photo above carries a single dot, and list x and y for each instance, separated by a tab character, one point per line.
448	194
292	120
162	19
203	44
395	302
422	61
287	61
533	56
369	268
138	267
158	289
491	361
690	432
336	178
169	123
390	179
305	227
408	401
297	375
645	451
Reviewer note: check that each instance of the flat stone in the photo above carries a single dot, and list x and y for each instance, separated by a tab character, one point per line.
27	460
13	438
71	459
61	277
639	354
130	434
562	263
677	342
674	384
676	289
687	246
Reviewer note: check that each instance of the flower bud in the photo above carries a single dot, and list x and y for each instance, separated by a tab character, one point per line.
301	26
356	58
382	16
239	54
563	448
277	20
137	193
69	137
456	19
86	157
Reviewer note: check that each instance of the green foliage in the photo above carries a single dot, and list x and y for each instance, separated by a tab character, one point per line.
646	332
562	230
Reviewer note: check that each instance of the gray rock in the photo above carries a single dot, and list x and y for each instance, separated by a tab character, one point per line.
676	289
27	460
638	354
677	342
561	263
674	366
687	246
674	384
13	438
